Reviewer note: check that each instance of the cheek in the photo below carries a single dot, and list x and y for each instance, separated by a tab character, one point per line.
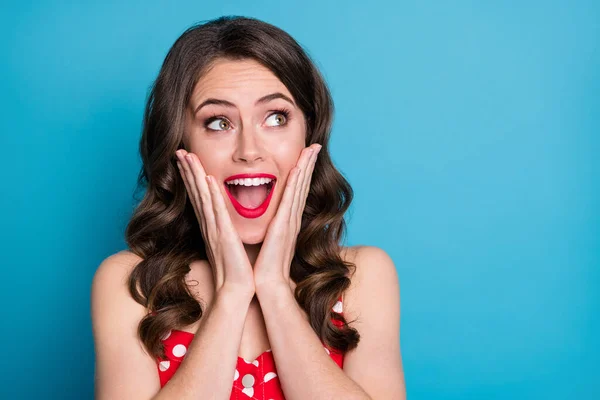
287	154
212	161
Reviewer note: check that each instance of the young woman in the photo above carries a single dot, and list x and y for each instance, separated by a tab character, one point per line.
235	284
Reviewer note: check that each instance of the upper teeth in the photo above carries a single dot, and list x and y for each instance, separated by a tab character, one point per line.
249	181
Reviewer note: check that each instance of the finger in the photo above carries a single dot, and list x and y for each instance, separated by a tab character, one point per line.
218	202
199	179
303	163
307	183
188	179
285	207
307	178
187	186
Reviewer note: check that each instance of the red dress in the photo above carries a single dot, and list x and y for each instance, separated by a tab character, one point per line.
256	379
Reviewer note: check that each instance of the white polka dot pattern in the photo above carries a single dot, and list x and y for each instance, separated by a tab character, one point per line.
259	379
248	380
255	362
338	307
164	365
269	376
179	350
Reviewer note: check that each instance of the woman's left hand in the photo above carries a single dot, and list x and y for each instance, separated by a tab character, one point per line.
272	266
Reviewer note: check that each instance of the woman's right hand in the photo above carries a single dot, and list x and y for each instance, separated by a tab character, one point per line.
230	265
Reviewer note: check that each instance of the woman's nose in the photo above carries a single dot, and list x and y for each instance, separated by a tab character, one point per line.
248	149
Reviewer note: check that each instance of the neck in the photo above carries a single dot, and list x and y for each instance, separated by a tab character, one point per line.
252	251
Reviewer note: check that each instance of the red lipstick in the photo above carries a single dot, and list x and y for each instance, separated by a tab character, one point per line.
251	212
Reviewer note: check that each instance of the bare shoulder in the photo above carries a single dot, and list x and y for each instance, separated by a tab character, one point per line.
111	277
110	284
349	253
372	306
375	277
120	263
123	368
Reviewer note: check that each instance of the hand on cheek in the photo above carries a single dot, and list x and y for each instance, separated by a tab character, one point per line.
230	266
272	266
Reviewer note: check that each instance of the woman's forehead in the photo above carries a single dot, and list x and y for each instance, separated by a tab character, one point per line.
244	78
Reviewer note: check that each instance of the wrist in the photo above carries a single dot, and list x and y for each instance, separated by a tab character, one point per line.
273	290
270	281
236	295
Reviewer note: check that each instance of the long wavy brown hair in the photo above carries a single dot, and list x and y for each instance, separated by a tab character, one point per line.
164	230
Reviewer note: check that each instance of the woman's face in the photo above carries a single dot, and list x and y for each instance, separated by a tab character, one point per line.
240	131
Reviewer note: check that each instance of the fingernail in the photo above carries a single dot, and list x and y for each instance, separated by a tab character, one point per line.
188	157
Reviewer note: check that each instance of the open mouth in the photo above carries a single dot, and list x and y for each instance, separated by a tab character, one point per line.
250	197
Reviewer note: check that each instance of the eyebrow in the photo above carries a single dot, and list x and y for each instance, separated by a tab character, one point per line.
262	100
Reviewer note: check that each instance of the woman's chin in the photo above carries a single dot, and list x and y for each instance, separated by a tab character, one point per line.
253	230
254	236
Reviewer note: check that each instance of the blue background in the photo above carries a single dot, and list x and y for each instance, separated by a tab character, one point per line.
469	132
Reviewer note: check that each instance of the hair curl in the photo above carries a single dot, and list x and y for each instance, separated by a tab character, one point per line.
164	230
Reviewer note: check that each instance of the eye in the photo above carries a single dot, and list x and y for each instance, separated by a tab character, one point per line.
216	123
281	117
